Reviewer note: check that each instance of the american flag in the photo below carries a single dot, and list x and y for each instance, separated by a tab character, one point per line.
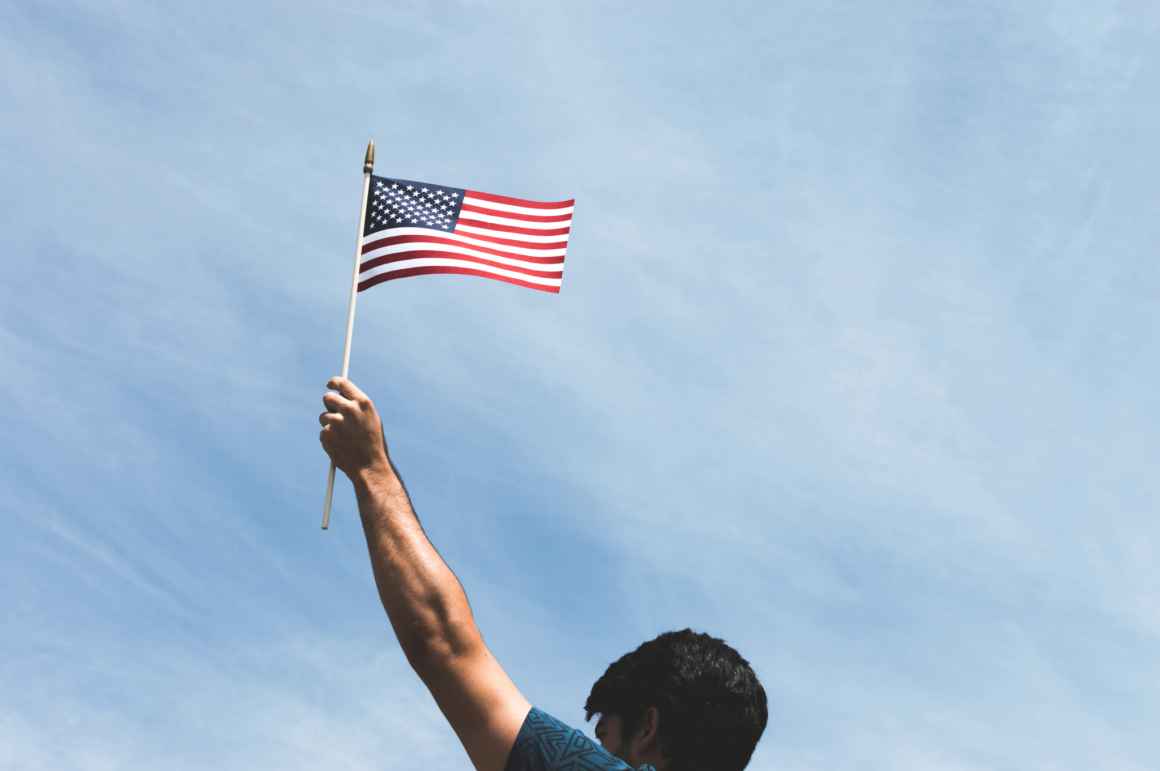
417	228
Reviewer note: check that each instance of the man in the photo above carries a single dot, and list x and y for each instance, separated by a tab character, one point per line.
681	702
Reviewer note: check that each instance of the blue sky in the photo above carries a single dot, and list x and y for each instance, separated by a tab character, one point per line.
854	365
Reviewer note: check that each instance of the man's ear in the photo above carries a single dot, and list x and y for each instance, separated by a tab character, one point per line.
645	737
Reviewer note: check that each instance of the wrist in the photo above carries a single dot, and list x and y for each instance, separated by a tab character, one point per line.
376	475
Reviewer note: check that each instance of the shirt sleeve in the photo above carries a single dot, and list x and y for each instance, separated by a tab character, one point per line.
546	744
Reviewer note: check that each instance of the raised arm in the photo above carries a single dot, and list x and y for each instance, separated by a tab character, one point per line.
423	599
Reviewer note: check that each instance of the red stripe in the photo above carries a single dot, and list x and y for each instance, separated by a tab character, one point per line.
402	257
451	242
520	201
514	216
510	229
510	242
453	271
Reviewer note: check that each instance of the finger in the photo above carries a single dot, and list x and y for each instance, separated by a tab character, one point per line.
348	389
336	403
330	418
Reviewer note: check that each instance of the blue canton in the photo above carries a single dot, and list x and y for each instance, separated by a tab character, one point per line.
401	203
546	744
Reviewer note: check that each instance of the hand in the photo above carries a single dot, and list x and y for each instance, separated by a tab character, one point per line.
352	433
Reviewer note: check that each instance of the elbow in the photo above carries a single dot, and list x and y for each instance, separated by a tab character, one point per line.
430	655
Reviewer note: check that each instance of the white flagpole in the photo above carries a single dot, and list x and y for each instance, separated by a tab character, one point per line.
368	167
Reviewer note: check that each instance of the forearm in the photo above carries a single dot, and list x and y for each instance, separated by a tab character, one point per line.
423	599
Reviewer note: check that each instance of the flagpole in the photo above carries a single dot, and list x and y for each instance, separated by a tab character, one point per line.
368	167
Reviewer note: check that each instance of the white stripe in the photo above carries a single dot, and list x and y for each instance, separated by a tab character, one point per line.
528	251
470	215
461	228
382	251
430	262
472	201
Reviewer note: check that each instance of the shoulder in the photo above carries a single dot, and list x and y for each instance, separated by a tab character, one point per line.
546	744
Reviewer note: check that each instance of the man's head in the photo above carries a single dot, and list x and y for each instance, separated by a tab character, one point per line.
684	701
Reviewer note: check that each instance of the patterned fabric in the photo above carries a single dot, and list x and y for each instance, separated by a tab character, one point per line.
419	229
399	202
546	744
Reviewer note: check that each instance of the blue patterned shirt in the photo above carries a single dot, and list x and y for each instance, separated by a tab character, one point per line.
546	744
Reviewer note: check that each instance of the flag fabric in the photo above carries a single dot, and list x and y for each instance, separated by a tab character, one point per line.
417	228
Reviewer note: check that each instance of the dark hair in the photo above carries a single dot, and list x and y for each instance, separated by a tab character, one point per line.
711	705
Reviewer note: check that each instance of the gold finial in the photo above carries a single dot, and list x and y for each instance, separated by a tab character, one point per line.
369	163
